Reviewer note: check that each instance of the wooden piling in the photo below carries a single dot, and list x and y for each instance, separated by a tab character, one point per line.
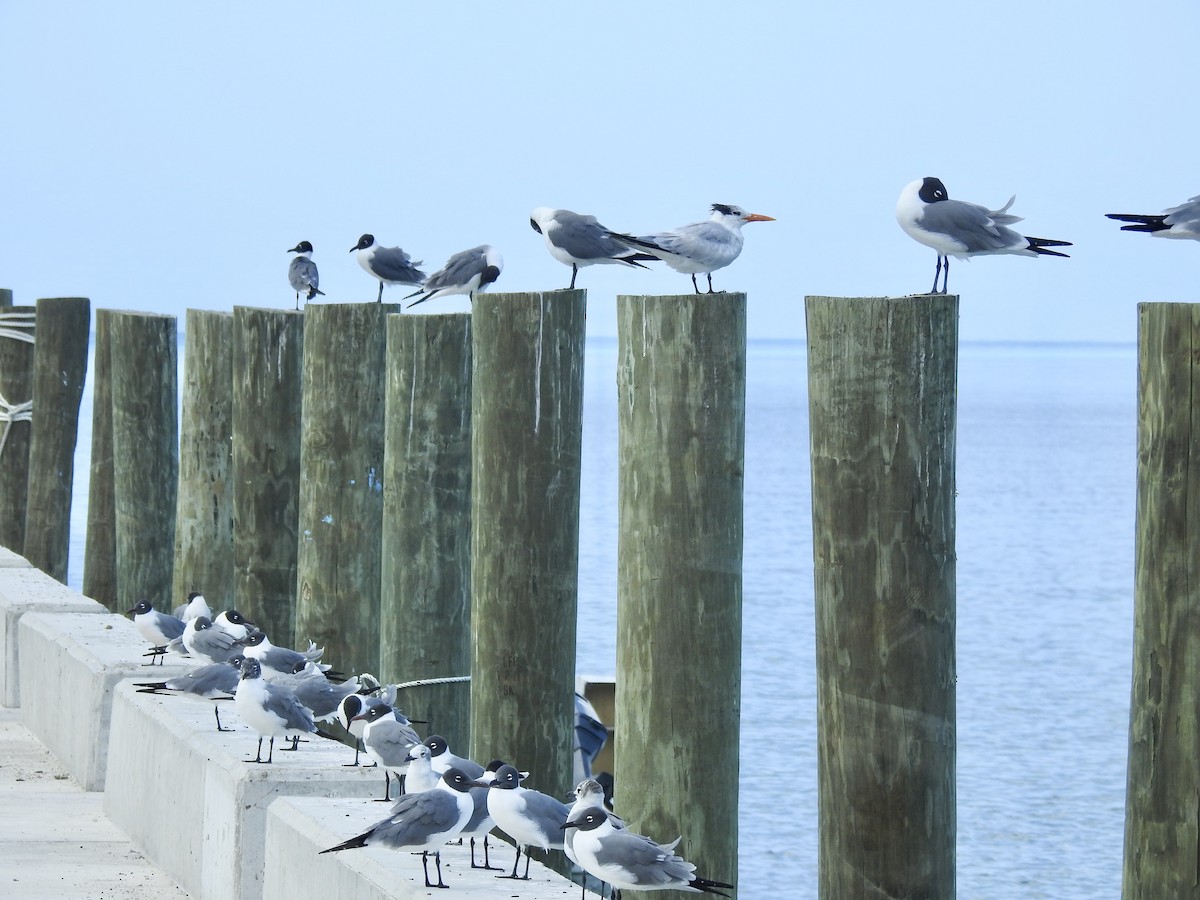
681	395
16	390
100	546
341	492
425	621
6	297
59	369
204	509
1162	809
144	354
526	433
268	362
882	376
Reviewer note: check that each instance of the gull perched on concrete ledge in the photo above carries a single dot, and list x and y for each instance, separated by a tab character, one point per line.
270	709
159	628
701	247
962	230
633	862
390	265
422	822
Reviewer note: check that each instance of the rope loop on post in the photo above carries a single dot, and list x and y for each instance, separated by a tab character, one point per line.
19	327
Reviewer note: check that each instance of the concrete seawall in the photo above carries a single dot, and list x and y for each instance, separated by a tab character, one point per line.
219	826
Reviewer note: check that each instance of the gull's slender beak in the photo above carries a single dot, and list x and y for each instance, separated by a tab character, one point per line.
755	217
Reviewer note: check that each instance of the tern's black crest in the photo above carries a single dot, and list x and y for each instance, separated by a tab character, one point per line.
536	227
724	209
932	190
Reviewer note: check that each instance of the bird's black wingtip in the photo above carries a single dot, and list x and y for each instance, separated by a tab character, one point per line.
1142	223
708	886
353	844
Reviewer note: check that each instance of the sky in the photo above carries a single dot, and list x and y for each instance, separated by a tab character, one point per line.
163	156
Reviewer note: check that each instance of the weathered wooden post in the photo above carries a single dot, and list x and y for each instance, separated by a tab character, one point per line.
16	410
204	510
100	547
6	297
1162	810
341	487
882	383
268	362
144	354
425	621
526	435
59	369
681	394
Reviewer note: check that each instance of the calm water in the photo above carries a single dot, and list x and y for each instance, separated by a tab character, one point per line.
1046	457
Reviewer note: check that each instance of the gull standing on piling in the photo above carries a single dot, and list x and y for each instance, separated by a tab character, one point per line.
633	862
961	229
579	241
272	710
529	817
390	265
302	272
160	629
422	822
699	248
1181	221
464	273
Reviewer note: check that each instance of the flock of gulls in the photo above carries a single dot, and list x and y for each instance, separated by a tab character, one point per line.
925	211
283	693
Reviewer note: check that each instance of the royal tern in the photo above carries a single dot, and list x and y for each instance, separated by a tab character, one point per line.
701	247
962	230
1181	221
464	273
302	272
579	241
390	265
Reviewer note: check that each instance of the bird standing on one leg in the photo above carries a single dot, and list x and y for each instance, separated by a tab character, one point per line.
302	272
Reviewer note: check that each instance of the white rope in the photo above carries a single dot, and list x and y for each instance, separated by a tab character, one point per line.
450	679
11	322
10	325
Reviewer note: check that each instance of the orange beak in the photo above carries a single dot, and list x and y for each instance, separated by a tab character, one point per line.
755	217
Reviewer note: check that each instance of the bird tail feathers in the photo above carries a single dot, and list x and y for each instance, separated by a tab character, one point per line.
1039	245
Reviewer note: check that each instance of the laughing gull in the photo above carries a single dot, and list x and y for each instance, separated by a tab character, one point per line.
701	247
235	623
216	682
348	715
442	759
277	661
579	241
464	273
529	817
420	775
302	272
204	640
422	822
390	265
322	696
160	629
588	794
1181	221
961	229
387	741
272	710
633	862
196	606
